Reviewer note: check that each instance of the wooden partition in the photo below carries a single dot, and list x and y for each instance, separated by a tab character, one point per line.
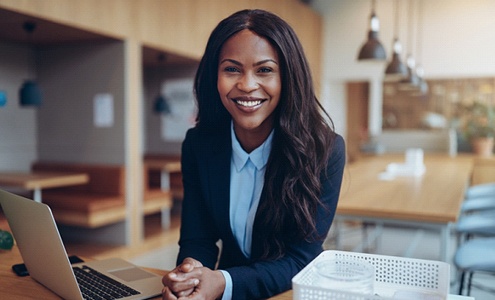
179	28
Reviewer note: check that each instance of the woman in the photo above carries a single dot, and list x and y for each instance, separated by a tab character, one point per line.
261	170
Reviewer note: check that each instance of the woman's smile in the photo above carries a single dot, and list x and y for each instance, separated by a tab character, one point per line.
248	102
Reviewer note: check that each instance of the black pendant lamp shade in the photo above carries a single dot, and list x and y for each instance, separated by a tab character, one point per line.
422	85
161	105
373	48
30	94
396	69
412	80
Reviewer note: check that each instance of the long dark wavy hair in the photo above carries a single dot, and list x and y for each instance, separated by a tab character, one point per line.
303	131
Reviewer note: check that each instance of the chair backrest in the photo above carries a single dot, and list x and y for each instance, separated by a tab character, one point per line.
105	179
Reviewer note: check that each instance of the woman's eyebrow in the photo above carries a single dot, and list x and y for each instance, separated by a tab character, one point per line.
235	62
265	61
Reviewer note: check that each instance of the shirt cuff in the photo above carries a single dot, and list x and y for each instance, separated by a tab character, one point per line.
227	293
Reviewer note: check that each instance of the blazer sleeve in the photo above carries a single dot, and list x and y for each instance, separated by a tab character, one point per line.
198	237
264	279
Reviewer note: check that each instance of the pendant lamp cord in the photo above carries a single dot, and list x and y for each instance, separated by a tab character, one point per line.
396	21
410	37
420	30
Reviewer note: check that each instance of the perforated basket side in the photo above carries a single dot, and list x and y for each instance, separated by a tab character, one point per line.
391	274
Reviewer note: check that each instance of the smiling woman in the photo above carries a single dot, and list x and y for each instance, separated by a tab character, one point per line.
262	168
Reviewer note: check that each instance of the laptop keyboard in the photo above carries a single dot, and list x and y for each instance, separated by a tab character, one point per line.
95	285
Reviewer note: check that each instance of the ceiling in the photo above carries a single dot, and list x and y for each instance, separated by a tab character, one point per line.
45	33
51	33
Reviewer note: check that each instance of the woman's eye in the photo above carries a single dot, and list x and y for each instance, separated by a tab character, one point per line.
265	70
231	69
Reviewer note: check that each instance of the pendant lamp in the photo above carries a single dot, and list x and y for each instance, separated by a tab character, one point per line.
411	81
30	93
161	106
422	87
372	48
396	69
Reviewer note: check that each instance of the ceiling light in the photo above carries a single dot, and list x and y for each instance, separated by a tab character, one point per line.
372	48
396	70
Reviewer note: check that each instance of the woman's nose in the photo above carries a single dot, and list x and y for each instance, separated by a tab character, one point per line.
247	83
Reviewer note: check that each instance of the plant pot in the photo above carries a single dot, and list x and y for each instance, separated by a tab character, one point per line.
482	146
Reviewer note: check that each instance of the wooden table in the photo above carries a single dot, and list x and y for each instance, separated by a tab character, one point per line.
36	181
14	287
432	200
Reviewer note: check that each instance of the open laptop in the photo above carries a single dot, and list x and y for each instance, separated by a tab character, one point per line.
44	255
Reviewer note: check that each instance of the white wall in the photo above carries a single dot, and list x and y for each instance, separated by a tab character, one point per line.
458	41
71	76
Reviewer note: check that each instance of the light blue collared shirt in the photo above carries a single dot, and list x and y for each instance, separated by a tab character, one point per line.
247	176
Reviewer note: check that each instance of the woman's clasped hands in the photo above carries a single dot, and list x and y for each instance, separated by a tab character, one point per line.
190	280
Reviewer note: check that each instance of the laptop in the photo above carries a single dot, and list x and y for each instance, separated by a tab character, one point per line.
44	255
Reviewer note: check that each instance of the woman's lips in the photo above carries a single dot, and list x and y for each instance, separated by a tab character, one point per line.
248	102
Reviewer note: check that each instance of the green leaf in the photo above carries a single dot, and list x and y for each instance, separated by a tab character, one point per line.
6	240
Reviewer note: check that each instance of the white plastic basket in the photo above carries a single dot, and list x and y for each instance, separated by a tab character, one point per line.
392	274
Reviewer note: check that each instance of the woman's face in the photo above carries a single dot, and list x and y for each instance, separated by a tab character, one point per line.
249	82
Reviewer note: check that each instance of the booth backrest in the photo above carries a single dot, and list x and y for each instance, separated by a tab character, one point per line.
103	179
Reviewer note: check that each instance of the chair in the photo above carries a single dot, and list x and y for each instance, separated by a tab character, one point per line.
480	190
475	255
477	215
475	224
482	203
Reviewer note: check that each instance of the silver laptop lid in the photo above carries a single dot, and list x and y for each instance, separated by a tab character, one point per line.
40	244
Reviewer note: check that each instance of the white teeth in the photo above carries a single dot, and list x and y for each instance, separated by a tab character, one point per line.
249	103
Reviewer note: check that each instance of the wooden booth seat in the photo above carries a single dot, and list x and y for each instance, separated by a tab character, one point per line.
101	201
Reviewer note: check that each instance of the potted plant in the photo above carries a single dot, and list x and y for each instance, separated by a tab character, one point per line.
479	127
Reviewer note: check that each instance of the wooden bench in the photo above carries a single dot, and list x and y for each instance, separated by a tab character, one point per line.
101	201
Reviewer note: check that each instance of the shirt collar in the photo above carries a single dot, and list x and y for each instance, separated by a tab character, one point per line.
259	156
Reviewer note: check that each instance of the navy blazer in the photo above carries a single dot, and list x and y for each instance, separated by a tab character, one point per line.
206	220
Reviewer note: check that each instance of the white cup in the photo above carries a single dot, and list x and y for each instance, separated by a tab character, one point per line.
348	275
414	157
